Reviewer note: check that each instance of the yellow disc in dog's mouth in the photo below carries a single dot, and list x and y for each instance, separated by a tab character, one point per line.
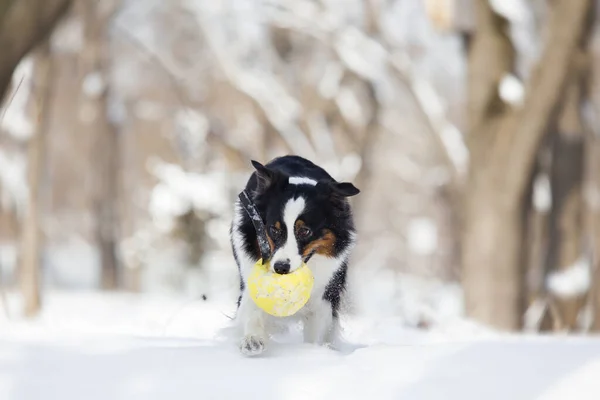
280	295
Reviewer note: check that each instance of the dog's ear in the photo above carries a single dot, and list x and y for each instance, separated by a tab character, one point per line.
265	177
338	189
344	189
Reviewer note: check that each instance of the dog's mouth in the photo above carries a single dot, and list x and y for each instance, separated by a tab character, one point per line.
309	256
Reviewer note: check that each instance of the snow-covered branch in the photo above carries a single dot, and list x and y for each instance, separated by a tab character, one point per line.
187	109
14	192
246	73
372	59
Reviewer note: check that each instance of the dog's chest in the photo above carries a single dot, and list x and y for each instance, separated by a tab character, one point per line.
323	268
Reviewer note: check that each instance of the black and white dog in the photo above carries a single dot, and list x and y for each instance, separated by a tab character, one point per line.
308	219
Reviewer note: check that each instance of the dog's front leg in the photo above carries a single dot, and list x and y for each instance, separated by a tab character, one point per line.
252	323
319	322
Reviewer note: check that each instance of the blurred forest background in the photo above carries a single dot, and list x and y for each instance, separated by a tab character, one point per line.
471	127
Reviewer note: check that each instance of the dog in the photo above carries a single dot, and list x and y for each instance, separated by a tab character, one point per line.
308	220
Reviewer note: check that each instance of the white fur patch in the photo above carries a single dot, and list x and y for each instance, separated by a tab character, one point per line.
290	251
245	259
301	180
319	324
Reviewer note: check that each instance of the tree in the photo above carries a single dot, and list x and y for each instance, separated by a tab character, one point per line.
593	218
503	140
23	25
566	217
95	60
31	235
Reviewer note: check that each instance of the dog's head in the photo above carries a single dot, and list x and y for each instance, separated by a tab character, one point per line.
303	217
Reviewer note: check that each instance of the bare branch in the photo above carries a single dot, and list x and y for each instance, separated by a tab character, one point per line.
229	149
446	136
280	108
527	127
10	100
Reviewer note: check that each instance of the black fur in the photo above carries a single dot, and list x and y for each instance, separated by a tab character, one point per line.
336	288
326	208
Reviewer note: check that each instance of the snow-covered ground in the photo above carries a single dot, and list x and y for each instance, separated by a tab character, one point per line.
125	346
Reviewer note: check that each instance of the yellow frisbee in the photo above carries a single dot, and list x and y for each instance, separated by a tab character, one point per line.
280	295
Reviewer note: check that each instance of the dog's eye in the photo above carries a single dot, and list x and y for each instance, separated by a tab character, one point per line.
275	232
304	232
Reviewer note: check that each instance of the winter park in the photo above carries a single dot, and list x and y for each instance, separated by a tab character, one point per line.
299	199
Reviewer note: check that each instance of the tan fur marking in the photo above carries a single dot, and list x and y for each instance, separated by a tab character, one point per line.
323	245
271	243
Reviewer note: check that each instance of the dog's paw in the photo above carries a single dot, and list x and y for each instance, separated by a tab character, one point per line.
252	345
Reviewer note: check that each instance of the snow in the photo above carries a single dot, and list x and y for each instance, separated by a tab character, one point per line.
365	56
193	127
239	52
329	85
93	84
542	195
68	36
179	191
523	31
126	346
351	108
159	251
434	108
89	345
455	146
514	10
350	166
410	300
14	193
72	263
572	281
321	135
8	260
422	236
511	90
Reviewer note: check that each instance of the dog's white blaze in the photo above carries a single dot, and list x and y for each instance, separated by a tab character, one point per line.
301	180
290	251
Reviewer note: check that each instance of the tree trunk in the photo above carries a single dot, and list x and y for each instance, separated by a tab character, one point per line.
31	236
567	175
536	243
593	217
23	25
491	249
503	143
106	154
566	225
106	197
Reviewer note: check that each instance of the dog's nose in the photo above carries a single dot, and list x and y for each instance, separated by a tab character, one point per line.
282	267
